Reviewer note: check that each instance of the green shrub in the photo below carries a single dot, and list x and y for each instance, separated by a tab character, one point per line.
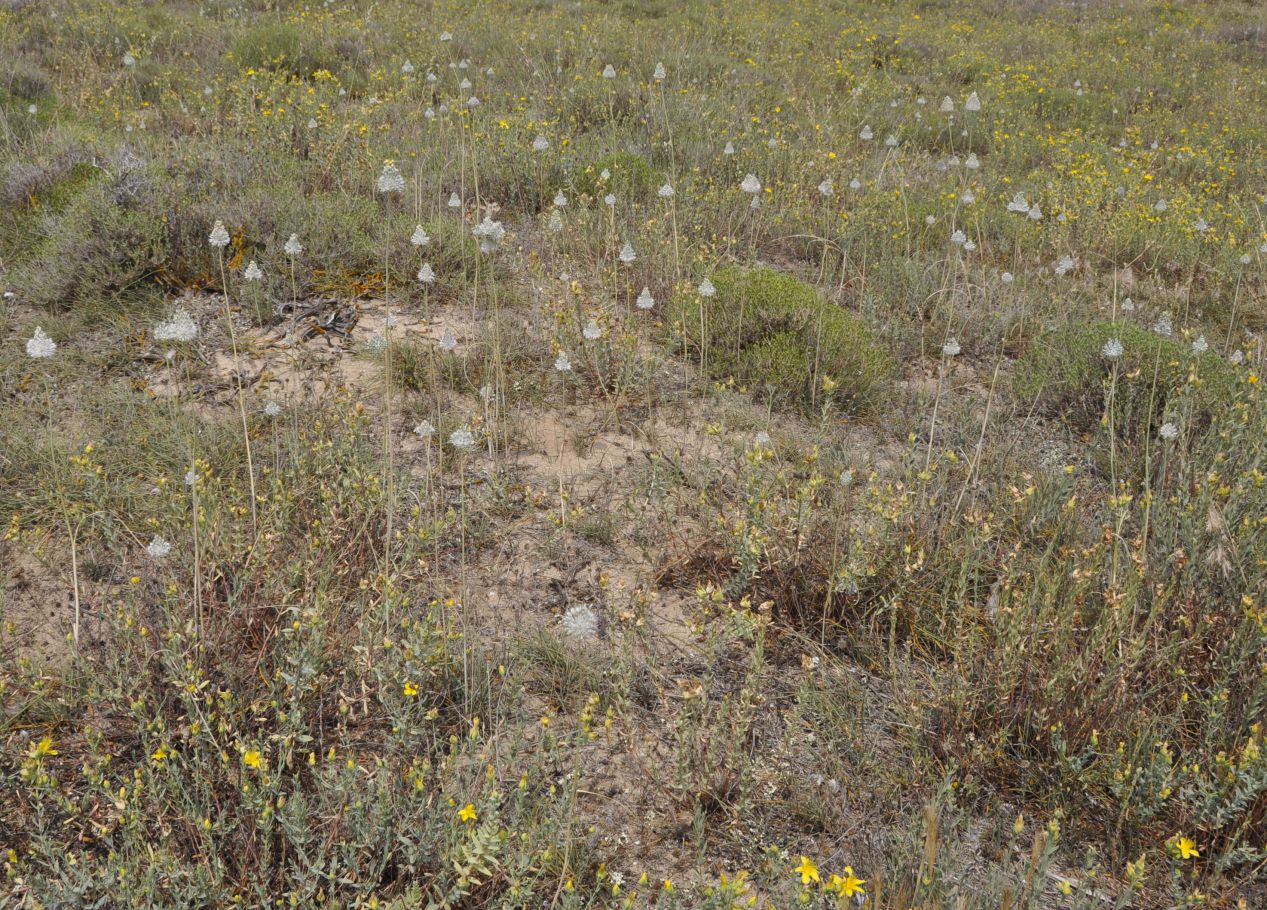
1066	372
778	335
630	176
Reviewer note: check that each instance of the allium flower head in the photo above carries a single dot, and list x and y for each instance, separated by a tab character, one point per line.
158	548
1200	345
563	363
179	326
825	188
252	272
751	184
958	238
627	253
947	105
665	192
1168	431
1112	349
706	288
272	409
426	274
1064	266
555	221
729	149
972	162
391	180
855	184
425	430
1163	326
973	103
420	236
489	233
219	236
540	144
592	331
293	247
39	346
645	301
950	348
455	201
448	341
866	135
609	72
609	199
580	622
1007	278
1018	204
659	75
461	438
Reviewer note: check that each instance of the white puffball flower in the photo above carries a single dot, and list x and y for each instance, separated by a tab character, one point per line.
706	288
1112	349
973	103
293	247
391	180
1163	326
592	331
866	135
950	348
560	200
972	162
489	233
1018	204
461	438
39	346
660	74
272	409
627	253
425	430
665	192
1007	278
825	188
252	272
890	141
158	548
1200	345
947	105
407	67
448	341
1168	431
645	301
580	622
1064	266
958	238
455	201
855	184
219	236
562	363
1237	357
540	144
179	326
751	184
729	149
555	223
609	72
128	59
190	478
426	274
610	199
420	236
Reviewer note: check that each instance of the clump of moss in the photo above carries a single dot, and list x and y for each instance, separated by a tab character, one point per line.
778	336
629	176
1065	372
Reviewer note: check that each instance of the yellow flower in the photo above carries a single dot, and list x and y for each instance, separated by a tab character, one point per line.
468	813
668	886
252	758
847	886
1187	848
43	747
807	870
160	753
410	689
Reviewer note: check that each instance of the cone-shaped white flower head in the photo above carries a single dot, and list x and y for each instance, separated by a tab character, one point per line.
659	75
158	548
420	236
462	438
645	301
426	274
627	253
293	247
562	363
219	236
973	103
252	272
609	72
39	346
706	288
179	326
751	184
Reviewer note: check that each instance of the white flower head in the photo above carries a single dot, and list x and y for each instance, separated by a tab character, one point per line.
1112	349
579	622
448	341
563	363
825	188
1128	305
706	288
609	199
972	162
1018	204
489	233
462	438
407	67
455	201
560	200
1168	431
272	409
729	149
958	238
751	184
191	478
252	272
179	326
1200	345
555	222
293	247
540	144
425	430
865	134
1064	266
1237	357
645	301
665	192
609	72
376	344
890	141
947	105
627	253
158	548
219	236
1163	326
426	274
128	59
659	75
1007	278
973	103
855	184
420	236
592	331
39	346
950	348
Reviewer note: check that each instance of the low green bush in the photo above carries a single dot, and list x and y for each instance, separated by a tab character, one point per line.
779	336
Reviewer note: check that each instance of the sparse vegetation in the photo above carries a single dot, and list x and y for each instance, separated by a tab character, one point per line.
623	455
